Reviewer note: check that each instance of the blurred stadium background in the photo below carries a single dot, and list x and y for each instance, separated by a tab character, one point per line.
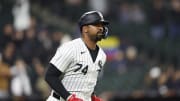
142	48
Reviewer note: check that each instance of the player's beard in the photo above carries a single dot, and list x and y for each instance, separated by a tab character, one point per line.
97	37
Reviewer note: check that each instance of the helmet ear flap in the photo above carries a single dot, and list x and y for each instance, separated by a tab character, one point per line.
105	32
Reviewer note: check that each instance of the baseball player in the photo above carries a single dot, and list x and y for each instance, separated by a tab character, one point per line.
73	71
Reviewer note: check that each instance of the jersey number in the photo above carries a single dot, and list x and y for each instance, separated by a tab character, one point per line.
83	70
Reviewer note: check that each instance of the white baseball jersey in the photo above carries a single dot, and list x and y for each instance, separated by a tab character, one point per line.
80	72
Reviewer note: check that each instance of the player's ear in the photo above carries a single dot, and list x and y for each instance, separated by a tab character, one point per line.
85	29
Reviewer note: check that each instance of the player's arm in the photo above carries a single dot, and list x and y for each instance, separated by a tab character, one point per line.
58	64
52	78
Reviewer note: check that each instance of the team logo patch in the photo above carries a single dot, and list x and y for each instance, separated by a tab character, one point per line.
100	64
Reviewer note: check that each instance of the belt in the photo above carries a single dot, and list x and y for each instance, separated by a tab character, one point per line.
57	96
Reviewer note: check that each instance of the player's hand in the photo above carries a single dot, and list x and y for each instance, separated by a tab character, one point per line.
95	98
74	98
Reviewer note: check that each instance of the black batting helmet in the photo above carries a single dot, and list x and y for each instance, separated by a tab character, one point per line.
93	17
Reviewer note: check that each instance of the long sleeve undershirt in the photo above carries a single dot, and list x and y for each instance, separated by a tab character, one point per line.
52	78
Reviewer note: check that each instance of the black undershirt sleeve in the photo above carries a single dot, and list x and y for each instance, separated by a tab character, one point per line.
52	78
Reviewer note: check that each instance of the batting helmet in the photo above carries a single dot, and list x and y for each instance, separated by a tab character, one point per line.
93	17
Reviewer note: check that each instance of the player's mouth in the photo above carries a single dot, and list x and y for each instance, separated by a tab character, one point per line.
100	33
100	36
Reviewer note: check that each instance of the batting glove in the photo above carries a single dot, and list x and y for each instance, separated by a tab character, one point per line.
73	98
95	98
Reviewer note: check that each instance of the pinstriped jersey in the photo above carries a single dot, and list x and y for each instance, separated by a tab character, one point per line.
80	72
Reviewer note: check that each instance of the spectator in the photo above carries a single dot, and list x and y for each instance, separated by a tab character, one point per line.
21	15
157	19
124	13
132	60
18	40
41	86
174	23
6	35
176	81
45	40
166	84
8	54
5	76
44	37
120	62
56	40
151	81
20	84
137	14
31	43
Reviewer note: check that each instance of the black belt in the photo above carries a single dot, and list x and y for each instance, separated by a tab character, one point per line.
57	96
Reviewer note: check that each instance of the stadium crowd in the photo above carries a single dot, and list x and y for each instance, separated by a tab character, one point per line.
148	34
